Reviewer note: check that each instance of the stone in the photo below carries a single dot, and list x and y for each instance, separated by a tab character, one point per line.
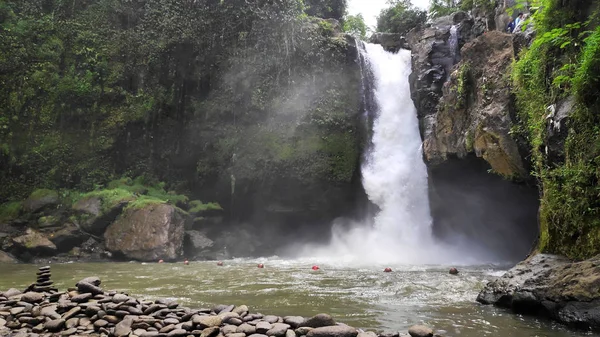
34	243
41	199
210	332
149	334
2	322
71	313
68	332
123	328
11	292
246	328
150	233
93	280
303	330
263	327
32	297
72	323
319	320
290	333
54	325
294	321
91	218
7	258
271	319
17	310
171	321
82	298
237	334
241	310
207	321
420	331
227	309
100	323
67	237
257	335
333	331
278	330
84	287
228	329
389	41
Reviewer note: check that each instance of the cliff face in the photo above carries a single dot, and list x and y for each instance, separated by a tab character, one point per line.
461	88
258	114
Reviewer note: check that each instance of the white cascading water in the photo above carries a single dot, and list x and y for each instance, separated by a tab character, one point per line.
394	177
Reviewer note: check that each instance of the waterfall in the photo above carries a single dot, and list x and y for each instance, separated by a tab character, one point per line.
453	44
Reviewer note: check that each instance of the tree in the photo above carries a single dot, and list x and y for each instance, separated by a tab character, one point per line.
356	26
439	8
326	9
400	17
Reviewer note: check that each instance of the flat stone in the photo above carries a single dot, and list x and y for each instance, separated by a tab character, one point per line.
303	330
11	292
17	310
111	319
246	329
82	297
319	320
72	322
171	321
257	335
2	322
93	280
120	298
207	321
293	321
271	319
210	332
228	329
149	334
420	331
100	323
263	327
387	333
84	287
367	334
123	328
233	321
278	330
167	329
69	332
32	297
71	313
54	325
333	331
290	333
239	334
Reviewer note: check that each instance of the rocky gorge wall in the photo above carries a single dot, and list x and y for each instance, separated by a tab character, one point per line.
481	193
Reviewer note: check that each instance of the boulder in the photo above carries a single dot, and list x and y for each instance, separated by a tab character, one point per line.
67	238
195	243
333	331
41	199
278	329
96	214
420	331
34	243
150	233
550	286
389	41
7	258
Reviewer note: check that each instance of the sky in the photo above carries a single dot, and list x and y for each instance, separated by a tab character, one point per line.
371	8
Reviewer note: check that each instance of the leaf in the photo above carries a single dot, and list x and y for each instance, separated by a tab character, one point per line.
564	44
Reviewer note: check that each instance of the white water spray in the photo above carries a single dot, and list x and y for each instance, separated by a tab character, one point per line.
394	177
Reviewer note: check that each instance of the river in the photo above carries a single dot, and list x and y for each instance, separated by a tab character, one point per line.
363	297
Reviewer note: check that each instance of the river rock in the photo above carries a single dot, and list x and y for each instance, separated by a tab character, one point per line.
319	320
290	333
237	334
11	292
294	321
123	328
92	219
271	319
246	328
32	297
420	331
241	310
93	280
228	329
34	243
333	331
257	335
7	258
278	329
54	325
150	233
210	332
207	321
303	330
72	323
84	287
550	286
368	334
262	327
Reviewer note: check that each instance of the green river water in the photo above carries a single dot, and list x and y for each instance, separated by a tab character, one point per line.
363	297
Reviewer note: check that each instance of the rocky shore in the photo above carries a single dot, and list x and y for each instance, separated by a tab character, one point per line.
550	286
87	309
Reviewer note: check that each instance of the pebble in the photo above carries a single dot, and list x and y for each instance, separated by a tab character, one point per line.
263	327
54	325
333	331
293	321
32	297
420	331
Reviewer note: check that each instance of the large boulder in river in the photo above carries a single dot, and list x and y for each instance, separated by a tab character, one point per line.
95	213
550	286
41	199
151	232
7	258
34	243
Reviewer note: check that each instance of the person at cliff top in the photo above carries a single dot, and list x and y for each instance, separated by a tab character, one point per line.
518	22
510	27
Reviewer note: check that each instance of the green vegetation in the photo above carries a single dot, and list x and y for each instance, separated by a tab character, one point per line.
356	26
10	210
196	206
564	62
400	17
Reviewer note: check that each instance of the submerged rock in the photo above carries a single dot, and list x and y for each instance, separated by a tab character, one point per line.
150	233
550	286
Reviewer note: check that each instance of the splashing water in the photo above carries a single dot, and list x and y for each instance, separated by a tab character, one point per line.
395	179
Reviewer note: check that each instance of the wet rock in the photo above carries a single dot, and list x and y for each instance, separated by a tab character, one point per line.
333	331
420	331
389	41
318	321
278	329
32	297
67	237
147	234
241	310
54	325
226	309
294	321
210	332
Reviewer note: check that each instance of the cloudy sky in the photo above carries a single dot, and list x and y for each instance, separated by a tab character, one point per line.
371	8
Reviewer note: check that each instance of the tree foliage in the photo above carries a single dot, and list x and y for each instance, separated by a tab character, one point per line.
356	26
326	9
400	17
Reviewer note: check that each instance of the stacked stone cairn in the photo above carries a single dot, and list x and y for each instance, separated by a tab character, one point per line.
88	310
